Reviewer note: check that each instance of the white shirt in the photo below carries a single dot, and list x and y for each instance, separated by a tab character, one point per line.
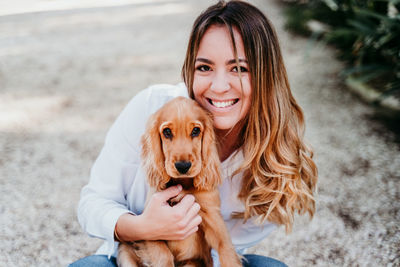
118	183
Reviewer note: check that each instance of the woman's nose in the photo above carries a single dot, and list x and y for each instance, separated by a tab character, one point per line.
220	82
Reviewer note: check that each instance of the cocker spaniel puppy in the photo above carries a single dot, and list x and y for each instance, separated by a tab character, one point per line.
179	147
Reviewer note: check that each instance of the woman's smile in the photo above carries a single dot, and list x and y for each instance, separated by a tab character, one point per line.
223	103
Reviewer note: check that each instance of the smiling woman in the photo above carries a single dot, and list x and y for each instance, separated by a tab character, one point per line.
234	70
220	86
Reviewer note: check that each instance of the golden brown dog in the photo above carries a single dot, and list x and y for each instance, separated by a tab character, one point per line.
179	148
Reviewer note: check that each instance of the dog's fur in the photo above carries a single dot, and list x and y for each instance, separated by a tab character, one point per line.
160	153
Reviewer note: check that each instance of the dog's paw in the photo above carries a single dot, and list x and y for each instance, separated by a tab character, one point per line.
175	200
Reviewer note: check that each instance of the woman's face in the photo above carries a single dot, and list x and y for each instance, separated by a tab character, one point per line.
216	84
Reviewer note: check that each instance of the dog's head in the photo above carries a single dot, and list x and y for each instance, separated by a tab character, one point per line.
178	143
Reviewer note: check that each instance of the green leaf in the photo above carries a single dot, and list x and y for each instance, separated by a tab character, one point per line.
331	4
362	27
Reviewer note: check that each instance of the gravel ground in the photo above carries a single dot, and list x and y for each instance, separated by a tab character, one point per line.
66	74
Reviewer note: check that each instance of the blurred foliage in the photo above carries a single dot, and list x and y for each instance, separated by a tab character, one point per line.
366	32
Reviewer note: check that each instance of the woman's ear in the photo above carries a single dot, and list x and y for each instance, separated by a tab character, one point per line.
152	154
209	177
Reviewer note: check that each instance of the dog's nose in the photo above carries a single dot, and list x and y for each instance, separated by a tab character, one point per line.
183	166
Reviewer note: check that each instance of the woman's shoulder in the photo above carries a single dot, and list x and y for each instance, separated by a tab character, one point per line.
132	120
167	90
155	96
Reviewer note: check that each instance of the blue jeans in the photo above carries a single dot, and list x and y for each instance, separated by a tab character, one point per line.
250	260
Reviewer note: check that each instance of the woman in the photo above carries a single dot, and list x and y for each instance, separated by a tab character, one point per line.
234	69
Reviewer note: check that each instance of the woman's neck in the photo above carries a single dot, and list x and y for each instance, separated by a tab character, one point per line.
228	142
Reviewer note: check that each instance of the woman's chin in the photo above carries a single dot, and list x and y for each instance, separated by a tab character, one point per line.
225	126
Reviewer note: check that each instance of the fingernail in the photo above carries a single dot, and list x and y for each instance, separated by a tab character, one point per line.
179	187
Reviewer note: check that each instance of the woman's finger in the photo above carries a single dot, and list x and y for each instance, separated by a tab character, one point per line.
191	214
190	232
168	193
184	205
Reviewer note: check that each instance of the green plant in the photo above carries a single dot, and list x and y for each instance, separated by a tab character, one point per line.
367	33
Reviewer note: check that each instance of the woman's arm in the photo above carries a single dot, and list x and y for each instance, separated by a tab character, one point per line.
104	201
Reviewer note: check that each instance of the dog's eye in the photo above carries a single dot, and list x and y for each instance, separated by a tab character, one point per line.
167	133
195	132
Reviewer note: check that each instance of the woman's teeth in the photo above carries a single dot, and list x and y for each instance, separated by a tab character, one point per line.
222	104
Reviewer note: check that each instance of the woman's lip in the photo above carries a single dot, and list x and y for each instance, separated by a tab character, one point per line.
226	103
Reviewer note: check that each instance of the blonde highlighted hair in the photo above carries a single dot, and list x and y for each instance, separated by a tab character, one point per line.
279	173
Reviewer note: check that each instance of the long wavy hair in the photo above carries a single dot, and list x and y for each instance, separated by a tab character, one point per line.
279	175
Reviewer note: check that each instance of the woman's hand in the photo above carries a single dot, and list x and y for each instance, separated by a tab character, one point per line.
160	221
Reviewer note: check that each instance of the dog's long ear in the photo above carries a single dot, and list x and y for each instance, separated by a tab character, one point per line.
153	159
209	177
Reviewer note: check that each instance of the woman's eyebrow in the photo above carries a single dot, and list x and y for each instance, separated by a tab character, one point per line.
204	60
229	62
233	61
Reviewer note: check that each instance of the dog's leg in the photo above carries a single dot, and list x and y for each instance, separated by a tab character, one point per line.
145	253
220	240
214	228
127	256
193	263
156	253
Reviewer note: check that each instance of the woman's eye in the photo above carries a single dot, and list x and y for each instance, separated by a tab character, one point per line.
242	69
203	68
195	132
167	133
